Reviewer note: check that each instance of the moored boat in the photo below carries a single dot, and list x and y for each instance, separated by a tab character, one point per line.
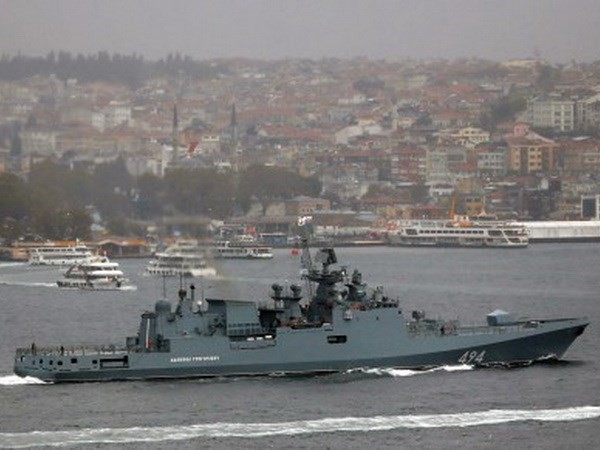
444	233
344	325
60	255
241	250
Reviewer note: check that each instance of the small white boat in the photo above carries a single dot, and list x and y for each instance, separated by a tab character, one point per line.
99	273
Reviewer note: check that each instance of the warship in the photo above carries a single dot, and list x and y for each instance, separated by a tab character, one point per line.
341	324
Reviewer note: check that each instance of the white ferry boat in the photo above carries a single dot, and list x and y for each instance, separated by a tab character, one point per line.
186	246
242	250
60	255
98	273
169	263
459	233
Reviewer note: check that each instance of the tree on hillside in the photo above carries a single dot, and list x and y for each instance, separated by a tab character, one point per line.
59	187
269	184
151	196
15	205
376	190
200	191
69	224
505	108
112	176
548	76
112	189
14	197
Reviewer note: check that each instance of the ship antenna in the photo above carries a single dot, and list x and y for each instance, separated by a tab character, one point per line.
305	258
304	232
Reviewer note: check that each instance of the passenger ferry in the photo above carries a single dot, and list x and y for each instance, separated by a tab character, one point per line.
174	263
459	233
242	250
99	273
60	255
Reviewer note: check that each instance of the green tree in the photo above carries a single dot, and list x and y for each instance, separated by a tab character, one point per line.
112	189
375	190
505	108
269	184
112	176
200	191
67	224
15	206
59	187
15	199
150	198
548	76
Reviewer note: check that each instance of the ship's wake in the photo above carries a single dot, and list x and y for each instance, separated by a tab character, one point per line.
29	283
298	427
12	264
128	288
391	372
15	380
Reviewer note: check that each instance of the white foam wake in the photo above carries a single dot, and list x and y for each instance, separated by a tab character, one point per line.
15	380
129	287
28	283
12	264
256	430
409	372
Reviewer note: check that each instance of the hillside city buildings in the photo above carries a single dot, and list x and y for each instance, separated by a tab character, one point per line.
412	134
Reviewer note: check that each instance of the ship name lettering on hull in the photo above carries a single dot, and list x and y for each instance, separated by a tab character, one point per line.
184	359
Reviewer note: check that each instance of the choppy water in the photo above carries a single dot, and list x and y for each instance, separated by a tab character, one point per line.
543	406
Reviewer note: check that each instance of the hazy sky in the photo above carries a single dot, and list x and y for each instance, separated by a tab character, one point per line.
559	30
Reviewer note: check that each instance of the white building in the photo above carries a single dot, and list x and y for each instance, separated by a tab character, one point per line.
117	113
553	112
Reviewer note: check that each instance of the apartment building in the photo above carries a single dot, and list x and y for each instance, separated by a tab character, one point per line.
531	155
553	112
564	114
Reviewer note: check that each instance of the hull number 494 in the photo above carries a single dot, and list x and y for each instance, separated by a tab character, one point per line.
471	357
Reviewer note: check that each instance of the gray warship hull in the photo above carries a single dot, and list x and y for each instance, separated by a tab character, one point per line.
344	325
309	351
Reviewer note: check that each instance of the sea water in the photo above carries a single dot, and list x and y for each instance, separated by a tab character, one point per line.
553	405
